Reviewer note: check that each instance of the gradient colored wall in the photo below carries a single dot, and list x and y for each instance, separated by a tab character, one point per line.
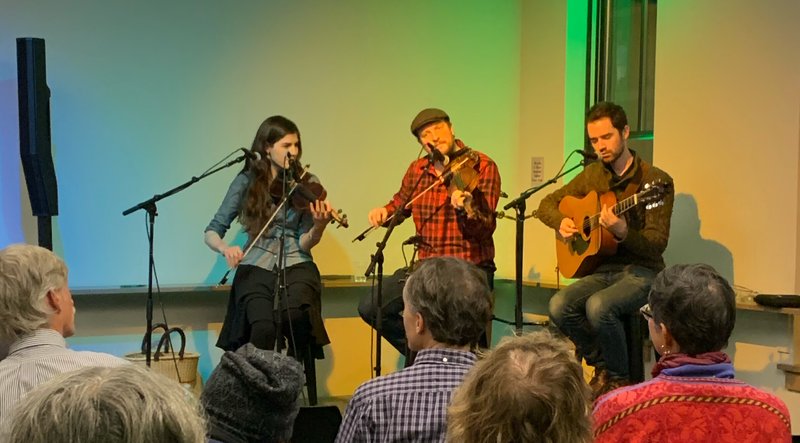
727	112
146	96
726	129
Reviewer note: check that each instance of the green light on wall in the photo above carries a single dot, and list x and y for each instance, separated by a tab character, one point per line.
575	76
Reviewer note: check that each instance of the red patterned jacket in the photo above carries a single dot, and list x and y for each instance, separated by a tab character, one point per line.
695	406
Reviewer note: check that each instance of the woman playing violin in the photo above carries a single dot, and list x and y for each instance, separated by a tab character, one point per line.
252	196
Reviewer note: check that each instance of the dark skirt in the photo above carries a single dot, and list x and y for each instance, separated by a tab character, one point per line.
254	284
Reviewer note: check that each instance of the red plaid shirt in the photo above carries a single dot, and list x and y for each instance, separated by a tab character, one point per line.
444	230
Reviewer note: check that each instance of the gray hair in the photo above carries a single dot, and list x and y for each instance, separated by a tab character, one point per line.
453	297
697	305
124	404
27	274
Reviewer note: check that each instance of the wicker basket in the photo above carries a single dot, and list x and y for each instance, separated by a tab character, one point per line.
181	367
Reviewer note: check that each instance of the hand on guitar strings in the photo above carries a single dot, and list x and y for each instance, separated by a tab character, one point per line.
616	225
567	228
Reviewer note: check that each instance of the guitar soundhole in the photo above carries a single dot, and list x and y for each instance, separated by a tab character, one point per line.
587	227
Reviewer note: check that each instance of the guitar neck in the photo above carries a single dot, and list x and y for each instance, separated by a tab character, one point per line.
624	205
620	208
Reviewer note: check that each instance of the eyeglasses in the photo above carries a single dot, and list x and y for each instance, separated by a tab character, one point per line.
646	312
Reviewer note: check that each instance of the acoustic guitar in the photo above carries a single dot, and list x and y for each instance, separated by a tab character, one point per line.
580	254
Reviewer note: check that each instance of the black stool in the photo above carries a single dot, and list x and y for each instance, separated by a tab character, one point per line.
636	333
310	370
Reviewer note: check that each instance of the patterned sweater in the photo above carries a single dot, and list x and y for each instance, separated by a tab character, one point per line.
692	403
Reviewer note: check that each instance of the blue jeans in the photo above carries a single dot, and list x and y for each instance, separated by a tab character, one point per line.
589	312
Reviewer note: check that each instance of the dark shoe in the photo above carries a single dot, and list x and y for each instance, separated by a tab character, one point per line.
610	385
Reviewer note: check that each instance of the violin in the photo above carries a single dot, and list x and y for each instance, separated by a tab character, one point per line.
302	190
460	173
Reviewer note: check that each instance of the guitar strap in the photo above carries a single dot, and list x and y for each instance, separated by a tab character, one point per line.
636	180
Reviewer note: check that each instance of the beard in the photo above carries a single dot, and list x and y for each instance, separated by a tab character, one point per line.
614	156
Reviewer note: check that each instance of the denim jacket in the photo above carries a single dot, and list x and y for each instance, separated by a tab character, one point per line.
265	253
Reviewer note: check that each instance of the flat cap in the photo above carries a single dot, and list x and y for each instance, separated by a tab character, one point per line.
427	116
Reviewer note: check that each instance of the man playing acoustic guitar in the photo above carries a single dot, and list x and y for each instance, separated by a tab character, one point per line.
615	282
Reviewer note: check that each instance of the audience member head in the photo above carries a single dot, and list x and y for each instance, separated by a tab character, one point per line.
691	310
252	396
528	389
34	292
447	303
123	404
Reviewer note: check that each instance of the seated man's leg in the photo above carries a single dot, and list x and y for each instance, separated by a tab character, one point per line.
604	309
568	313
392	306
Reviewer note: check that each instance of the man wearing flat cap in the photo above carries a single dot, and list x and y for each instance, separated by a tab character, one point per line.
449	221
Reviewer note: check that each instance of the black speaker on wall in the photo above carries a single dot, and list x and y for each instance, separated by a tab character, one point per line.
34	134
34	127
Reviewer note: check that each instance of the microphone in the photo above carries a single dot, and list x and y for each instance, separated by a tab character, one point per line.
586	155
436	155
250	154
414	239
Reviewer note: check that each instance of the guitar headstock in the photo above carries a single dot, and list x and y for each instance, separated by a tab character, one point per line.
652	193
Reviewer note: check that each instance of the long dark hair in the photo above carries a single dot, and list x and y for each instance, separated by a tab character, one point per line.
258	205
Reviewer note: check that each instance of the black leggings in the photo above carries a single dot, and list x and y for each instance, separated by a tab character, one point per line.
254	288
263	332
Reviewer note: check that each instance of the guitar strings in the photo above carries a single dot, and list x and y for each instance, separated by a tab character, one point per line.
624	205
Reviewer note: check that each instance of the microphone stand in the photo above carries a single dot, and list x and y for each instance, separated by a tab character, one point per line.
519	206
149	205
377	259
281	288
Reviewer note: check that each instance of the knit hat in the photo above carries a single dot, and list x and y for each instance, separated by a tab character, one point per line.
426	117
252	396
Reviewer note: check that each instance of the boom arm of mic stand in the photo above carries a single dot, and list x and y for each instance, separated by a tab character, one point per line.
150	206
407	204
519	205
528	192
151	201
